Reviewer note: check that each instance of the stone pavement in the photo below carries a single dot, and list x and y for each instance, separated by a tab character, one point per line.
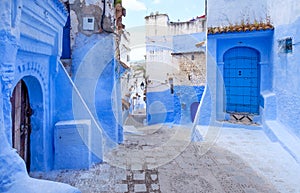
267	158
161	158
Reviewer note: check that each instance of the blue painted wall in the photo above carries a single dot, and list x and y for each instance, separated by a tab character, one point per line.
279	86
217	46
105	97
96	73
286	77
66	108
30	50
164	107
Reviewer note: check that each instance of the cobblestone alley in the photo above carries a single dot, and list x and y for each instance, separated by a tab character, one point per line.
161	158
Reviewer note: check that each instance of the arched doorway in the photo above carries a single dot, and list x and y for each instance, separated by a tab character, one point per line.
242	80
194	108
21	123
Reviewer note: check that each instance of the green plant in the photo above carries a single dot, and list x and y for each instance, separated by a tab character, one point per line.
118	1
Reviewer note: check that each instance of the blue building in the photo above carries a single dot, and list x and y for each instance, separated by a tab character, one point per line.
252	76
92	57
49	119
30	42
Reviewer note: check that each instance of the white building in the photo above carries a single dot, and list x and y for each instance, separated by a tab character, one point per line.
175	68
171	51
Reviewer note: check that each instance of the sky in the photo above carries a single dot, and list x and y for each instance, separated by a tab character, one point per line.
136	10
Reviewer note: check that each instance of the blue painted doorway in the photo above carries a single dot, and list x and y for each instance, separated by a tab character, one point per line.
194	108
242	80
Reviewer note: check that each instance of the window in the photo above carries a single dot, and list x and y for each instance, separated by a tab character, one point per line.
88	23
285	45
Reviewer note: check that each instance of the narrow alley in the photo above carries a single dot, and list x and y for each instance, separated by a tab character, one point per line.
160	158
149	96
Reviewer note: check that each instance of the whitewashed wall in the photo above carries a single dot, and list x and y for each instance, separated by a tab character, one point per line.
224	12
284	12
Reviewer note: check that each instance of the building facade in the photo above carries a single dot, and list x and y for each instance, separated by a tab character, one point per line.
175	68
251	68
60	87
31	45
93	58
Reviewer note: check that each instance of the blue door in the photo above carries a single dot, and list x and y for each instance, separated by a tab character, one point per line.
194	108
242	80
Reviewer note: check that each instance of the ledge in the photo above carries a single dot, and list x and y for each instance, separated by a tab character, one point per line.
288	141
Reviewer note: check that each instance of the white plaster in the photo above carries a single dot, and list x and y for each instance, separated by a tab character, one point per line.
160	25
74	27
283	12
162	39
93	2
224	12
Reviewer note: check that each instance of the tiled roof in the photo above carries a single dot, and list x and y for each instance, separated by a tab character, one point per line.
240	28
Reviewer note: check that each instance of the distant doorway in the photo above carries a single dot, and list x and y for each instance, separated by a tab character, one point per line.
194	108
21	123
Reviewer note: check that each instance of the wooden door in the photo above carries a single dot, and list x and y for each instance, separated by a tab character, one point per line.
21	127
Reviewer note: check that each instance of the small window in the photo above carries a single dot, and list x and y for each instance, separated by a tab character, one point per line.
88	23
193	57
285	45
289	45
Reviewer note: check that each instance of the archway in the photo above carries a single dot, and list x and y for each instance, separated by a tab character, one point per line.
242	81
21	121
194	108
32	118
